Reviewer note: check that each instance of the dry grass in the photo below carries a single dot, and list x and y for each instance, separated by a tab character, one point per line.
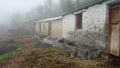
49	58
40	58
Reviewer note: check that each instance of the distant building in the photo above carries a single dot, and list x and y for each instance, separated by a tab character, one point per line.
55	27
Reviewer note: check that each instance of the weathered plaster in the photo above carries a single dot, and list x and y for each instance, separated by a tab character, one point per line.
68	24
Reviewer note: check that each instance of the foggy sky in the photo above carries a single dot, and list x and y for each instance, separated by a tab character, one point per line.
9	7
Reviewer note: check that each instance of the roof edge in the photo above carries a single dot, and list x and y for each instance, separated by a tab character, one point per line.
84	7
50	19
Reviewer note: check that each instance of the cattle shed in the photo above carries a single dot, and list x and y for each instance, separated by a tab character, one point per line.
55	27
50	27
100	18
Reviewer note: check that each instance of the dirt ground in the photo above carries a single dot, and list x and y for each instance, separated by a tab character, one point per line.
30	57
6	46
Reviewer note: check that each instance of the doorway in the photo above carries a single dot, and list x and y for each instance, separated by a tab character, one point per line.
114	24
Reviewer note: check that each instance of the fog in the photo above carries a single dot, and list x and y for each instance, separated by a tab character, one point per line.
13	13
19	14
9	7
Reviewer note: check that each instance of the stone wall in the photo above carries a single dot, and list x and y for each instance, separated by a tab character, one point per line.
94	18
94	24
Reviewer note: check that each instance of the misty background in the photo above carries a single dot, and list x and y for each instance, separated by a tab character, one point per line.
18	14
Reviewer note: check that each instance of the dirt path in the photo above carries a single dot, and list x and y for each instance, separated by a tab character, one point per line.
25	46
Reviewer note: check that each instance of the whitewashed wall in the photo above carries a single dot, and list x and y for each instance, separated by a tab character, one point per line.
93	19
68	24
37	27
52	28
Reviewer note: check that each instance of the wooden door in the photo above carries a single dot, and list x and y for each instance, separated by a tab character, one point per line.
114	45
115	29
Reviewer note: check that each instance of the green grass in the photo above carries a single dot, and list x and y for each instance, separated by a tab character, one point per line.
7	56
50	48
17	46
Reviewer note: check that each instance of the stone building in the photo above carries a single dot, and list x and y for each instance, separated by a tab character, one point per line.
101	18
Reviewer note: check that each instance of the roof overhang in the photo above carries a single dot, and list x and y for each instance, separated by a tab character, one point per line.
80	11
50	19
82	8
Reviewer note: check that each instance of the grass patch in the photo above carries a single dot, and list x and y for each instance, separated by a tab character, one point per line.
50	48
17	46
7	56
33	46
